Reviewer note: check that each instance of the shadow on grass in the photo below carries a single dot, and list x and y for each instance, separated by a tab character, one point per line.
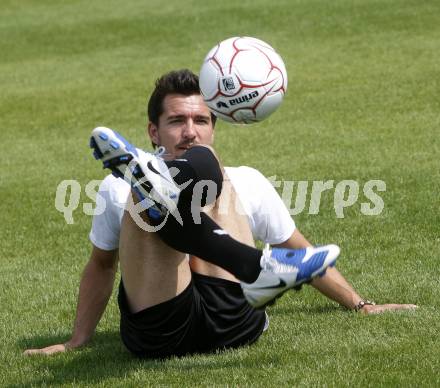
294	310
106	358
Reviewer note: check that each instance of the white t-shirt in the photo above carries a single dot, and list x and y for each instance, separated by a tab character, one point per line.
268	217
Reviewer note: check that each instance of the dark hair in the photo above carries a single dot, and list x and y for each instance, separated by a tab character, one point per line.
183	82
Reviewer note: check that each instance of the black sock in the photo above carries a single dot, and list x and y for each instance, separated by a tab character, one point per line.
206	240
200	235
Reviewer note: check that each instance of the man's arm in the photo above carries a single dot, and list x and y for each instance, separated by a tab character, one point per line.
334	286
94	293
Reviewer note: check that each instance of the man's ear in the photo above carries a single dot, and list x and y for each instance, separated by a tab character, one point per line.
153	133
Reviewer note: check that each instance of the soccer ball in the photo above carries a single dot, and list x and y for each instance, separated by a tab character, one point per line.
243	80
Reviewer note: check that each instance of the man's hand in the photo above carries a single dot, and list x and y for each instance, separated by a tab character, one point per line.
47	351
381	308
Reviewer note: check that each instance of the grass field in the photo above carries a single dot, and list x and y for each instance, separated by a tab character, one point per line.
363	103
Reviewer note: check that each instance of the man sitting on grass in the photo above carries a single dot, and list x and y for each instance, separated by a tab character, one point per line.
172	303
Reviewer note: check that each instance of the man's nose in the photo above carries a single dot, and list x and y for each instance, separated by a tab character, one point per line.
189	130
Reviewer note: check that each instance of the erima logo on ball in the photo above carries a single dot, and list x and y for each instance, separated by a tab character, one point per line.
228	83
245	98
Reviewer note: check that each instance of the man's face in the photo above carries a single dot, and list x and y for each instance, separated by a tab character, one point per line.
185	121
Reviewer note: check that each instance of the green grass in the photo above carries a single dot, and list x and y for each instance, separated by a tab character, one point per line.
362	104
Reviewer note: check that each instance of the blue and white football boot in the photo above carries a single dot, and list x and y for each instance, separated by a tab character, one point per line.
146	172
284	269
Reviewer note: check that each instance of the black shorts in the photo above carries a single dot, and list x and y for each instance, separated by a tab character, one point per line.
210	314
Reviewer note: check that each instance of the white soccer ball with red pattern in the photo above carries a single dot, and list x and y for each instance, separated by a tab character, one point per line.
243	80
